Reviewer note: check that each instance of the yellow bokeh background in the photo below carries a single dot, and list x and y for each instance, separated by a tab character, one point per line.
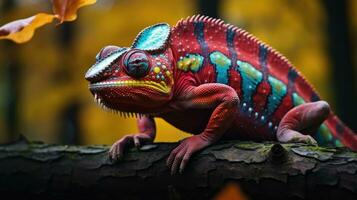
52	74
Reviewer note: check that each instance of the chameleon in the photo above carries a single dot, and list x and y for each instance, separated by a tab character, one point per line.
215	81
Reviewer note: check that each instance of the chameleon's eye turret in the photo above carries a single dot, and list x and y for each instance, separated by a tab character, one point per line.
136	64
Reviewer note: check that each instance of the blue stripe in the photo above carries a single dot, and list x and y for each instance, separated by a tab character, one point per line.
292	75
263	53
230	44
314	97
198	31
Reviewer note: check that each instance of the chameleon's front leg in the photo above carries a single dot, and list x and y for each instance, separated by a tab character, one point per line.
147	132
213	95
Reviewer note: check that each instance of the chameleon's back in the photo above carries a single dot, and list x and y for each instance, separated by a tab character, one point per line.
209	51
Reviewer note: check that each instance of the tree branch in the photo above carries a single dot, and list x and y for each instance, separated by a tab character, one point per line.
262	170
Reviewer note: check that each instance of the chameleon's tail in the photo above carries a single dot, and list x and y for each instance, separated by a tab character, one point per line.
340	133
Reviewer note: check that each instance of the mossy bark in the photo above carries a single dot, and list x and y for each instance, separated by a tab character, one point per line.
262	170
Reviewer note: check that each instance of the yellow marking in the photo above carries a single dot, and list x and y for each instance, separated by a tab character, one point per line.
180	65
156	69
168	73
161	87
186	61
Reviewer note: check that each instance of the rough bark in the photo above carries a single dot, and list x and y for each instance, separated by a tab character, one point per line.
263	171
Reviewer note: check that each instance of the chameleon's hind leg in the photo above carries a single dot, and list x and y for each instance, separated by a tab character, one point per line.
301	121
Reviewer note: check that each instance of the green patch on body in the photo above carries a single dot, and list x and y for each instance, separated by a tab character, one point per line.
297	99
324	137
222	64
251	77
278	91
191	62
338	143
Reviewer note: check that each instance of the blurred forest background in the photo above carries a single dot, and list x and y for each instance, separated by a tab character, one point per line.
44	96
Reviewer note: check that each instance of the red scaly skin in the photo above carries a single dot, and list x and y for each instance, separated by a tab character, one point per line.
215	81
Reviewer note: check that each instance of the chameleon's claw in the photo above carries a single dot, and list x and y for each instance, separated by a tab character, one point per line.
180	156
137	143
116	151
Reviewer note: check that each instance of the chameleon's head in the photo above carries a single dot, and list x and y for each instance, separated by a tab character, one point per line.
136	79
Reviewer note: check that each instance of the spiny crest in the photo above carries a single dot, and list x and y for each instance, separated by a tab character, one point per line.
242	33
239	31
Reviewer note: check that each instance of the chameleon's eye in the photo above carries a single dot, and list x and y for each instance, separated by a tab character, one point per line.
136	64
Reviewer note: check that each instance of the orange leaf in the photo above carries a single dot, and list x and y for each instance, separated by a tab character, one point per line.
22	30
66	10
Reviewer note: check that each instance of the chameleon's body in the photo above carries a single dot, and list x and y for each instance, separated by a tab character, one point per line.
215	81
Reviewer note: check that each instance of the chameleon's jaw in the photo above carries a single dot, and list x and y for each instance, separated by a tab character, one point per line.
131	95
124	114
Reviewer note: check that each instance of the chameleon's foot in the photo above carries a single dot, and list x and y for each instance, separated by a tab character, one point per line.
301	121
307	139
116	152
294	136
180	156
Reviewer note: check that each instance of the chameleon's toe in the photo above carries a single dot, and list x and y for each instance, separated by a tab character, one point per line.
113	153
117	149
174	158
180	156
307	139
178	159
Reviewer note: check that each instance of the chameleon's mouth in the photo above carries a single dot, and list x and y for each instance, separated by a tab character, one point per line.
160	87
130	97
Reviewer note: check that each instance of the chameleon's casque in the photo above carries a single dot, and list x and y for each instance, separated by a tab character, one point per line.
213	80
